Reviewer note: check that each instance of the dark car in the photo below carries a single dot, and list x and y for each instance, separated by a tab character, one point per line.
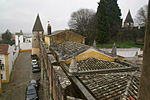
31	93
34	56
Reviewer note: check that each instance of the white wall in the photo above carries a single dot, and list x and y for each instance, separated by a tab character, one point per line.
13	52
16	50
3	71
125	52
25	46
28	39
18	38
25	42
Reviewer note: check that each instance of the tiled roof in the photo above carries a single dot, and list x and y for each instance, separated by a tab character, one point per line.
107	80
57	32
101	66
69	49
64	31
111	86
4	48
104	80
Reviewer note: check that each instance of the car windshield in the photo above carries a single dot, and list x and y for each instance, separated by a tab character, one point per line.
34	61
35	65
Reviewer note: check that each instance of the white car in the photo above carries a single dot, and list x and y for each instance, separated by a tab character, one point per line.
34	62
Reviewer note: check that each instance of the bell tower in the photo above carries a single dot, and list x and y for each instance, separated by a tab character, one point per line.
37	32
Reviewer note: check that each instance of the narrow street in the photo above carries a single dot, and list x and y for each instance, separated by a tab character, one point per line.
20	77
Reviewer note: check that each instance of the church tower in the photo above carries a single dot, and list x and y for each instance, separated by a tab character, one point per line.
128	23
37	32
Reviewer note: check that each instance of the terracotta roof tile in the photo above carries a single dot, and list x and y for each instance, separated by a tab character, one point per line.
93	65
111	86
4	48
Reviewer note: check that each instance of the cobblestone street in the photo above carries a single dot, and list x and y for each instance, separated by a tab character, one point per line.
20	77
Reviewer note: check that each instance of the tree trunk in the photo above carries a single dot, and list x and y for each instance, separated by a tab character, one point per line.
144	91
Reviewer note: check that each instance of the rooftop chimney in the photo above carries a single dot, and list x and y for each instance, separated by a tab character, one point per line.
73	66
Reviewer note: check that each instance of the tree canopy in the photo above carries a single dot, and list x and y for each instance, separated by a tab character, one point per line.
7	35
7	38
108	18
82	22
141	16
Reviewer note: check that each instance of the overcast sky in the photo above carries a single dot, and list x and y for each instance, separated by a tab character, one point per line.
20	14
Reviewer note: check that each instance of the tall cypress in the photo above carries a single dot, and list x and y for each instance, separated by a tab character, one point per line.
108	18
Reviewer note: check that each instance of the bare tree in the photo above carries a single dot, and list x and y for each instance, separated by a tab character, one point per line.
141	16
82	21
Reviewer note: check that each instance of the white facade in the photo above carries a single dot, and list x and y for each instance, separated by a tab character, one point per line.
18	39
25	42
3	71
13	52
27	39
129	54
125	52
26	46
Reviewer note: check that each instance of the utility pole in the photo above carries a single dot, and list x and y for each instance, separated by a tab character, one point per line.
144	91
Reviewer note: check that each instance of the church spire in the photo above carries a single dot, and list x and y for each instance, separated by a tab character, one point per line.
37	25
129	18
128	23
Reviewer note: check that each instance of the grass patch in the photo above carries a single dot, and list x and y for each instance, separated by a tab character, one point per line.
121	45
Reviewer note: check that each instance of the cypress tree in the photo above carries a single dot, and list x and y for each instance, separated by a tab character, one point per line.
108	18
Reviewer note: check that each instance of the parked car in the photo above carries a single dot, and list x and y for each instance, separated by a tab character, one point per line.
31	93
35	68
34	62
34	56
35	83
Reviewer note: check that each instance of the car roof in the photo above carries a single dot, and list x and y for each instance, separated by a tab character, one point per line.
33	81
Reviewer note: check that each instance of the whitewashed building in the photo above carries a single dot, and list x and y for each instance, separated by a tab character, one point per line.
8	55
23	42
129	54
19	38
